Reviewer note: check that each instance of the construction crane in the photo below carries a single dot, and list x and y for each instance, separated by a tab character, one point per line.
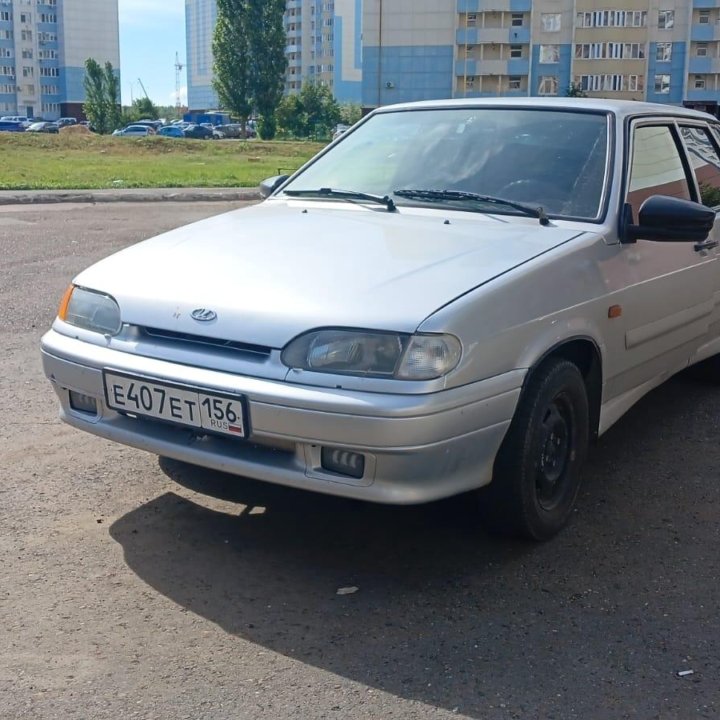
178	69
143	88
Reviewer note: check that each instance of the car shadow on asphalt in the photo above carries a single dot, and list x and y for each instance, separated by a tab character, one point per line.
444	614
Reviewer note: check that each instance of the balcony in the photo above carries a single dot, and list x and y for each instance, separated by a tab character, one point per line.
703	65
293	48
702	95
704	32
704	4
498	36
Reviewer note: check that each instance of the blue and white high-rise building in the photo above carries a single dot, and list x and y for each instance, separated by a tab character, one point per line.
43	48
664	51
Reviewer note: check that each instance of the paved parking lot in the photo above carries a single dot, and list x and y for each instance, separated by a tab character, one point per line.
137	588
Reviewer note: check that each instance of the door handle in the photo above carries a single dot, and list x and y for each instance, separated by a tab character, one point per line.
706	245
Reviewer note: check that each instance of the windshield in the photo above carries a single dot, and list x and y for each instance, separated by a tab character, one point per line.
549	158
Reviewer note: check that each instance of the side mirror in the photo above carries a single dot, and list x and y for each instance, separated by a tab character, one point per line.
271	184
668	219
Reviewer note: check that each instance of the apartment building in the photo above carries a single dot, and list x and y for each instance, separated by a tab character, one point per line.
658	50
324	44
43	48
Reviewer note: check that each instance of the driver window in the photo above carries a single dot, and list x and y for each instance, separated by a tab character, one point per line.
657	168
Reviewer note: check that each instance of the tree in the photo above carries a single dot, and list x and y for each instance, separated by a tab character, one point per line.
231	52
249	51
269	63
350	113
102	101
313	112
112	97
575	90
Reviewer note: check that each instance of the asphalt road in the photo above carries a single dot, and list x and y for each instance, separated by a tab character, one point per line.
127	592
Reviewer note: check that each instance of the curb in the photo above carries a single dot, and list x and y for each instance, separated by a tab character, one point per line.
43	197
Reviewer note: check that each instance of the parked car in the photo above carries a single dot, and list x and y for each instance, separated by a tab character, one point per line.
234	130
65	121
171	131
11	126
456	296
135	131
198	132
340	129
22	119
43	127
155	125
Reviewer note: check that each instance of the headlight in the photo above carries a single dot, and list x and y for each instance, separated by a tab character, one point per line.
90	310
380	354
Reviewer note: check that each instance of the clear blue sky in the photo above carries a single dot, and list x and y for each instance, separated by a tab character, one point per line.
151	32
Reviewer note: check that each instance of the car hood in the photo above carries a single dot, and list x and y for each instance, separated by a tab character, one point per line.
275	270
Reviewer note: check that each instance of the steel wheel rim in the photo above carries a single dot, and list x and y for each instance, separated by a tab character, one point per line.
555	449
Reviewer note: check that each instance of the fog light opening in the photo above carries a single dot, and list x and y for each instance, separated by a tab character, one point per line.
342	462
83	403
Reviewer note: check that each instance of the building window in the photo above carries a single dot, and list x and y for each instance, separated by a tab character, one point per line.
663	52
550	22
701	50
471	19
666	19
612	18
470	82
704	17
516	51
5	16
517	19
515	82
549	53
699	82
636	83
662	84
548	85
27	54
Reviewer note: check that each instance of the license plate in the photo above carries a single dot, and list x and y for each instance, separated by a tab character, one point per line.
179	404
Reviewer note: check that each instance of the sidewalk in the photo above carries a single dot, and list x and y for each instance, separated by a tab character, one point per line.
39	197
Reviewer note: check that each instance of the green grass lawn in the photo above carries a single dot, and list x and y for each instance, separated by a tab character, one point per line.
75	161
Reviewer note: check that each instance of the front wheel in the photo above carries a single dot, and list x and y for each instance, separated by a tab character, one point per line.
536	477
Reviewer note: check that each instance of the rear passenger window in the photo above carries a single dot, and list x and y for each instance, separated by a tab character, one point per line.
657	168
705	163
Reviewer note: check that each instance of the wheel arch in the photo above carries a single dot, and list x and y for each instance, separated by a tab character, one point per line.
585	354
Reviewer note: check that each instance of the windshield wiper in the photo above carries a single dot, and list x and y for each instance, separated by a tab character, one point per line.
346	194
462	196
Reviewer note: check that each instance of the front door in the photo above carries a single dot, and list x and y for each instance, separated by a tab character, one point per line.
666	289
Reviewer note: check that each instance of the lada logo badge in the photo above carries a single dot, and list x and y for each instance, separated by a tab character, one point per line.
203	315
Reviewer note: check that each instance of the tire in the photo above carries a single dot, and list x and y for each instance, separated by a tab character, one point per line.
536	477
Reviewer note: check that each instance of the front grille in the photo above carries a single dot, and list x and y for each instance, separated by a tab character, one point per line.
187	339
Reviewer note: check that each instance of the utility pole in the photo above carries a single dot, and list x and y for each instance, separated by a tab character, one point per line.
178	69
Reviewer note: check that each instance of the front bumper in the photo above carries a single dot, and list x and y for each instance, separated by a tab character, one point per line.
417	448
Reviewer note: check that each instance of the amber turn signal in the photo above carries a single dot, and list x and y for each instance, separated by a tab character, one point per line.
62	310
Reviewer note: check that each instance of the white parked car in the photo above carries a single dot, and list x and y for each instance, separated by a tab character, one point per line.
456	296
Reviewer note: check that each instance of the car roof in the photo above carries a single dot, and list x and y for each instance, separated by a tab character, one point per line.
620	108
